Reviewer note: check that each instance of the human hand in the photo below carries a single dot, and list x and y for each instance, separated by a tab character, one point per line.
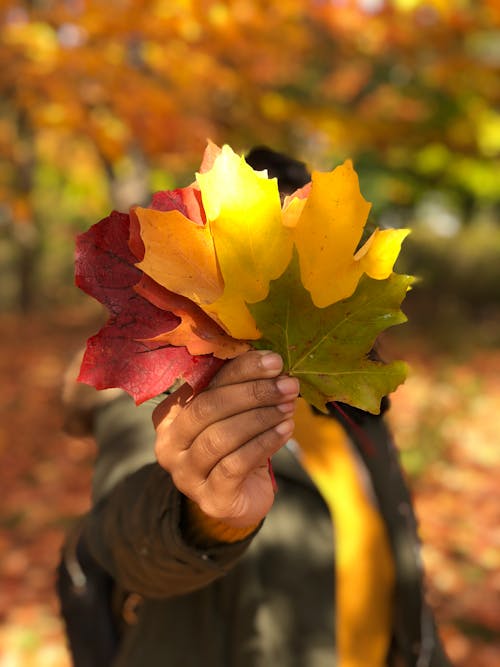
216	445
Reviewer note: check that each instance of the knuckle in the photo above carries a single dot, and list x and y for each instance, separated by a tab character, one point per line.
163	454
207	506
261	391
183	480
197	496
212	442
201	409
265	417
210	503
264	444
177	478
162	429
228	468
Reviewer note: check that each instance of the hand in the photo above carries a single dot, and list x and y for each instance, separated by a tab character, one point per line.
216	445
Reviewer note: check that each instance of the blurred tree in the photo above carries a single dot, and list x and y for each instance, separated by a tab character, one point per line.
416	86
408	88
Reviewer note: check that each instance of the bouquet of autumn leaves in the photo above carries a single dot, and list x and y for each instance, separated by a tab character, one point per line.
210	270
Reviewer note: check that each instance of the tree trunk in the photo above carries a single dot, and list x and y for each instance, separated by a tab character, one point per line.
128	185
25	232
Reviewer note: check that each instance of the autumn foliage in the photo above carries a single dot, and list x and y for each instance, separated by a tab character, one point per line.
104	103
106	100
213	268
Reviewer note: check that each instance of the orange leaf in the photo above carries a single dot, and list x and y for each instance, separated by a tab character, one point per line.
190	266
197	331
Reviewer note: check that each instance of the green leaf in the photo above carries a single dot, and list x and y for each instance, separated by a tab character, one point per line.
327	348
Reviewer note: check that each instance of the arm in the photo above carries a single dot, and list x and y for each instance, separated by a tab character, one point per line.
212	453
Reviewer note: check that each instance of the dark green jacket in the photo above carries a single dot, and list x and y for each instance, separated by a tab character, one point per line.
264	602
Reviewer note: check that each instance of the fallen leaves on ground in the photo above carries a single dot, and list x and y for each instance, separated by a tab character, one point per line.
446	420
447	416
44	477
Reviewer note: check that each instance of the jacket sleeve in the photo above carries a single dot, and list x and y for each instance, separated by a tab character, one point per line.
134	529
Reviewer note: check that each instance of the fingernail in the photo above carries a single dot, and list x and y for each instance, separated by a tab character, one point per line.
288	386
271	361
286	407
285	428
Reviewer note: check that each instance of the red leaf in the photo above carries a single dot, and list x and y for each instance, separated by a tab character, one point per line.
104	264
115	357
135	242
211	152
186	200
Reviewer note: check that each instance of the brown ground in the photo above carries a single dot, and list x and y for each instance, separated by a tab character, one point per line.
447	414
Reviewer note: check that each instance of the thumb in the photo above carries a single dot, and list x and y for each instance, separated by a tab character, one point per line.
167	410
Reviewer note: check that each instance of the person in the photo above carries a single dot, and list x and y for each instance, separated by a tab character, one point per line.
197	552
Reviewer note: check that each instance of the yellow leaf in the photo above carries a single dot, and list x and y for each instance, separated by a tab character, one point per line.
292	210
293	205
232	314
379	253
253	247
180	255
328	231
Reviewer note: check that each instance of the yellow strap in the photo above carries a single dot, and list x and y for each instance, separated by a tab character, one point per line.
364	564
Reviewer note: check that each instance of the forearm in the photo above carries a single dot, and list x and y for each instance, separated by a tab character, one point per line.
143	530
136	534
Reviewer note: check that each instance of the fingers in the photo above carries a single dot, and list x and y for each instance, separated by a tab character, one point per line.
254	454
242	385
249	366
216	444
221	439
218	405
221	419
238	489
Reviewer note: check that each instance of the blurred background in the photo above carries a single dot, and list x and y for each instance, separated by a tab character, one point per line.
103	103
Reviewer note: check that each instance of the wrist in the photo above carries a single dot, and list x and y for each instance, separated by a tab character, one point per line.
202	530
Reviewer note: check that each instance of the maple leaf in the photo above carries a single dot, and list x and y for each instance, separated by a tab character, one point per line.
119	354
327	228
327	348
185	200
212	151
222	263
196	330
243	211
189	267
115	358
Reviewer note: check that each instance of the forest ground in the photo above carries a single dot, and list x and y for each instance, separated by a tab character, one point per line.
447	415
